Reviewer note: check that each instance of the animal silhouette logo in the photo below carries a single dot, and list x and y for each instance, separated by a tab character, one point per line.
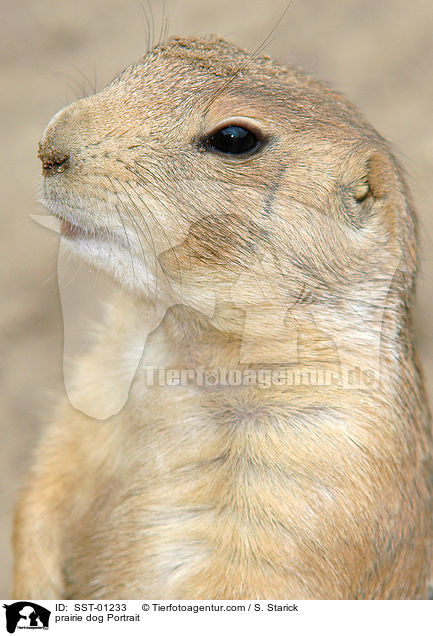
26	615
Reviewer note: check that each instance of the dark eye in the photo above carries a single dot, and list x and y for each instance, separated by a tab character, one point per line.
233	140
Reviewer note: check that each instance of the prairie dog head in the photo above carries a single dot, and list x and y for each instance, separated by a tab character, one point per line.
202	171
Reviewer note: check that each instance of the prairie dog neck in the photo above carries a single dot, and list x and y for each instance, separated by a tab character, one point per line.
309	351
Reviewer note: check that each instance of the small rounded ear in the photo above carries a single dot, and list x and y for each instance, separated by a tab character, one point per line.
368	180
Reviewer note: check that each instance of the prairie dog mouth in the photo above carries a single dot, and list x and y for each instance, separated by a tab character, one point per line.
73	221
67	226
70	230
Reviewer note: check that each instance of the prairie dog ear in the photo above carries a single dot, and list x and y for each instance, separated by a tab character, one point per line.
367	182
371	177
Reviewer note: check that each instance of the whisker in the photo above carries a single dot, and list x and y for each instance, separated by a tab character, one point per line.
167	277
162	32
146	26
256	52
71	82
166	29
125	232
152	24
85	79
157	262
158	178
170	213
137	231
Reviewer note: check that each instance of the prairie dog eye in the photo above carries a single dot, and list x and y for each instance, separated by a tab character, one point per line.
233	140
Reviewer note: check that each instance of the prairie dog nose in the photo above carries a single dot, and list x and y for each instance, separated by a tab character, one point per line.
53	161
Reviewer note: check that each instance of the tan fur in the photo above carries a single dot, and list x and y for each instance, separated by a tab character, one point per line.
234	491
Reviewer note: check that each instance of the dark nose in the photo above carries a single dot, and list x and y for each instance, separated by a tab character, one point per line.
52	160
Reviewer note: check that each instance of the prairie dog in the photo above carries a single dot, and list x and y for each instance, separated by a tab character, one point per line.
267	228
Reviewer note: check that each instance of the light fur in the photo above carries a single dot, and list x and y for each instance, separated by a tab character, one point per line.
234	491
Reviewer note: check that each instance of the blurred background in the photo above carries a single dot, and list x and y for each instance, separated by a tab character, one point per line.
380	54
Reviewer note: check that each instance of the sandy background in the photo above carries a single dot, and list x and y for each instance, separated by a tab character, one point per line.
380	53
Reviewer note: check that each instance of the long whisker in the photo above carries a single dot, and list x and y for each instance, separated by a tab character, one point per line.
139	231
162	32
161	229
136	229
85	78
175	299
152	23
256	52
172	216
71	82
157	177
146	26
167	277
125	232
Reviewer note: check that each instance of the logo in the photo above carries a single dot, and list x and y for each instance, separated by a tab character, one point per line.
26	615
